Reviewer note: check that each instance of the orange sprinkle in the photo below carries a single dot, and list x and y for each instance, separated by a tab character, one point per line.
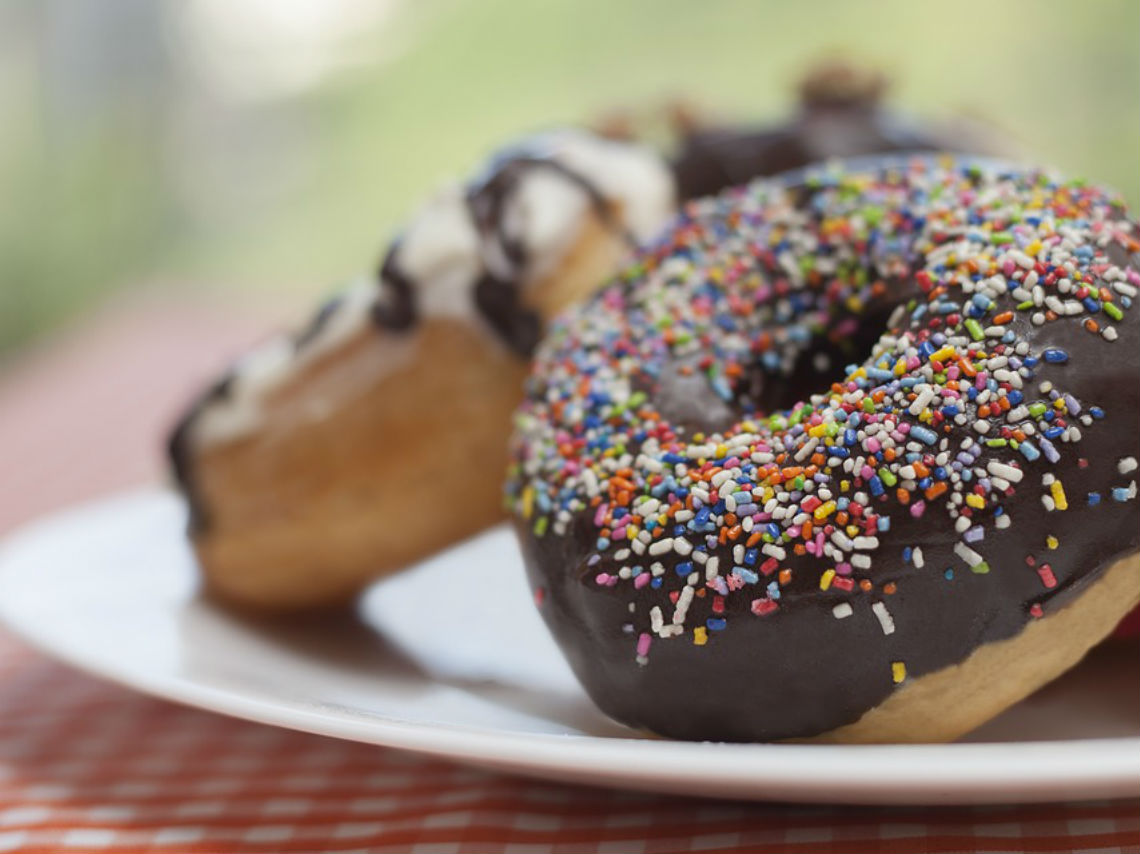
934	490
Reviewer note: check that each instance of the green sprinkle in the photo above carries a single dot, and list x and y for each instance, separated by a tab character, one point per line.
1025	306
888	477
540	525
1037	409
996	443
975	329
868	405
1112	311
980	568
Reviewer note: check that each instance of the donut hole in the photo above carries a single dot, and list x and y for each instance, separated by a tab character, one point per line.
815	367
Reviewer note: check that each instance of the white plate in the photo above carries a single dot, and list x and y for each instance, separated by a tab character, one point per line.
473	677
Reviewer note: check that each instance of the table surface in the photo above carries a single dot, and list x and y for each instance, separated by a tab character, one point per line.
88	766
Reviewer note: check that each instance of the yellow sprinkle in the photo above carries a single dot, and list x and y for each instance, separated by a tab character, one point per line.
817	430
1052	542
1033	248
722	450
825	579
528	502
1059	498
824	510
975	500
898	671
852	530
943	354
700	636
900	367
631	532
844	485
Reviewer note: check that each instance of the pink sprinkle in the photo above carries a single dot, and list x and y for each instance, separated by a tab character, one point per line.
760	607
619	533
643	642
952	372
917	509
866	472
600	516
1047	577
1007	266
873	445
604	579
843	568
641	580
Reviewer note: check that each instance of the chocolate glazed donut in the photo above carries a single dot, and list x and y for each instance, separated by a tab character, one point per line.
751	509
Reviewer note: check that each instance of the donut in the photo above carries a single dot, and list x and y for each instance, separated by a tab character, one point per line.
848	456
300	463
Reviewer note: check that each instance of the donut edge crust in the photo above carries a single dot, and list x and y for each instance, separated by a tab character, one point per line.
264	551
947	704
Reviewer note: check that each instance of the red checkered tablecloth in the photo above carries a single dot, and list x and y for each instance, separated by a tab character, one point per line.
86	766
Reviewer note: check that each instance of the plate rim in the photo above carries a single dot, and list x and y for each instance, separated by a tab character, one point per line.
1027	771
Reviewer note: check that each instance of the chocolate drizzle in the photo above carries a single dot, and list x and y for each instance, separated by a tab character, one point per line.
497	293
840	115
395	310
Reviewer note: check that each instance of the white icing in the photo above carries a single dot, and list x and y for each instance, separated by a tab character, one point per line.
267	367
442	252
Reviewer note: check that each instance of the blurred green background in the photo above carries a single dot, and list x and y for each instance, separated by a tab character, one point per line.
272	144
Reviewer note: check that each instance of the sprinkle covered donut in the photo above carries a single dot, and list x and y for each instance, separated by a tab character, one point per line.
850	455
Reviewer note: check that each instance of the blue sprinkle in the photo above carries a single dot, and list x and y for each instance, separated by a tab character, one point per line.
716	624
1119	493
925	435
683	569
1094	499
948	575
877	485
1096	412
1057	357
1029	451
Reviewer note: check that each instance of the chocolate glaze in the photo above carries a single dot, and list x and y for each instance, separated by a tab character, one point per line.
840	114
800	671
180	450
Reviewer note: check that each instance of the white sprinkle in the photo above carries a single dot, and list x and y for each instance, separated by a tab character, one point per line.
842	611
656	620
968	555
922	400
682	605
1002	521
1008	472
916	556
1126	465
885	619
661	547
682	546
712	567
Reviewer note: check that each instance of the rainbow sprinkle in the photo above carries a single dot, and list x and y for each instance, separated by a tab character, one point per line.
943	417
